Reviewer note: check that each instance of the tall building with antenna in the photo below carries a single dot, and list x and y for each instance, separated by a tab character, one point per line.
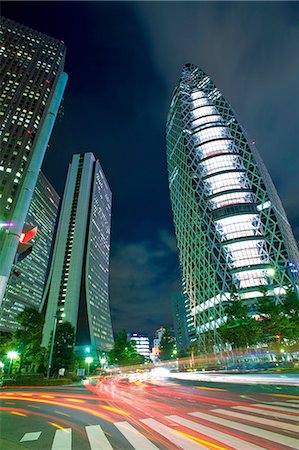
230	225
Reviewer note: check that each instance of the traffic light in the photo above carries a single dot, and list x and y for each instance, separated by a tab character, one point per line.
25	247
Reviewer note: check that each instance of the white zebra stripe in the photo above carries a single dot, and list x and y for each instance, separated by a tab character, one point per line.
97	438
275	437
136	439
272	423
173	436
224	438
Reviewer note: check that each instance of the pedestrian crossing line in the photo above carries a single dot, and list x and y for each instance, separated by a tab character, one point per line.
288	404
136	439
272	423
62	439
224	438
31	436
268	413
173	436
271	406
97	438
265	434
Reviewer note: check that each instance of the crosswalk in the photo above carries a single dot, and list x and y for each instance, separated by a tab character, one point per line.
251	427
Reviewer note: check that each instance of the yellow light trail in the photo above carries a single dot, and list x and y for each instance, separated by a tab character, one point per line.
209	388
56	425
116	410
285	396
47	396
74	400
16	413
65	405
202	441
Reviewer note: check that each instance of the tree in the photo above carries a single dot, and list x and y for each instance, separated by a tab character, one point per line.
63	354
124	352
28	338
240	330
167	344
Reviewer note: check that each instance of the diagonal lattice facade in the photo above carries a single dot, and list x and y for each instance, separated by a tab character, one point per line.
230	224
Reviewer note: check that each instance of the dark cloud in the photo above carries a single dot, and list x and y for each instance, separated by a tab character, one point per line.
143	275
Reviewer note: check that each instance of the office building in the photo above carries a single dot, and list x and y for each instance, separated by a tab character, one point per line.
142	343
32	86
229	221
182	321
77	287
26	282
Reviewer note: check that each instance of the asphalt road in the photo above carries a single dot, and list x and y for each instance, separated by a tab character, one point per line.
154	414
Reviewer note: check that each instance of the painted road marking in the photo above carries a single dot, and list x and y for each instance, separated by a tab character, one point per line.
31	436
272	423
269	406
62	440
173	436
268	413
97	438
136	439
275	437
224	438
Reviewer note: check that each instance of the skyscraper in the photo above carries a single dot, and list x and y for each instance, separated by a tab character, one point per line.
26	284
32	86
142	344
181	321
230	224
77	287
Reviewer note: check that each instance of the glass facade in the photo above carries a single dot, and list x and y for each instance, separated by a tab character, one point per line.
32	85
30	65
230	224
26	283
78	282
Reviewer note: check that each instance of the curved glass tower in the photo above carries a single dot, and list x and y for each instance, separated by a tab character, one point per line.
230	224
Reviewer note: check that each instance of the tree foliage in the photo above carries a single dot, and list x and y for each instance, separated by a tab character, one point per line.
63	354
124	352
167	344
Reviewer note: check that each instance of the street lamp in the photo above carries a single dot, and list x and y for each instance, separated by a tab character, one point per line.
11	355
89	360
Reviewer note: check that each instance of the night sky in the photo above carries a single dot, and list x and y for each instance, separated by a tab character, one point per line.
124	60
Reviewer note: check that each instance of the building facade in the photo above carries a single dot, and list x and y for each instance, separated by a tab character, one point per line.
230	224
142	343
26	284
32	86
77	287
182	321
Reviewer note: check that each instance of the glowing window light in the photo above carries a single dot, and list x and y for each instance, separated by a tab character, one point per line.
235	227
263	206
229	199
216	147
206	120
225	182
203	110
221	162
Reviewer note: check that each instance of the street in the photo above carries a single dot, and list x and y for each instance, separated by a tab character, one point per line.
113	413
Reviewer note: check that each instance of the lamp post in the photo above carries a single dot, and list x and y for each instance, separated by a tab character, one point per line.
89	360
56	317
11	355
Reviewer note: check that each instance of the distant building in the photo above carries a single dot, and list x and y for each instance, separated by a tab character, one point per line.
141	342
230	225
32	86
181	321
77	289
26	284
